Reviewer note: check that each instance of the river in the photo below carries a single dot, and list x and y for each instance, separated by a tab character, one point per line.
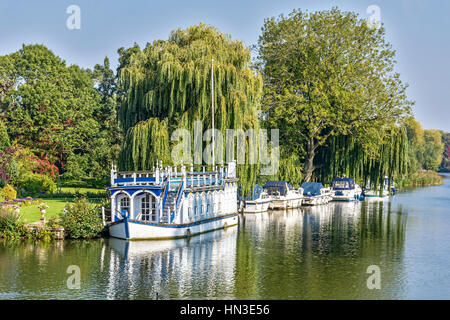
311	253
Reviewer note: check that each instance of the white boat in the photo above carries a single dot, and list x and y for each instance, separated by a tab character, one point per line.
166	204
283	195
371	192
314	194
345	189
258	201
260	204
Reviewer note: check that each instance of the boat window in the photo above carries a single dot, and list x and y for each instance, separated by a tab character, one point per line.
341	184
125	204
148	208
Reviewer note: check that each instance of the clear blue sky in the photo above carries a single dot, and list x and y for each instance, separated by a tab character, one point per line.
419	31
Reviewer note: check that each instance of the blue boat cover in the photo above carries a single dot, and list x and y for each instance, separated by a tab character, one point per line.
256	193
343	184
282	186
311	188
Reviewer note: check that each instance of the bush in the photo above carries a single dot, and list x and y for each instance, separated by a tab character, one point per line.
82	219
9	193
10	224
75	184
34	183
85	183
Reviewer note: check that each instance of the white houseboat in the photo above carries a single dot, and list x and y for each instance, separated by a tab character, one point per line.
258	201
166	204
314	193
283	195
345	189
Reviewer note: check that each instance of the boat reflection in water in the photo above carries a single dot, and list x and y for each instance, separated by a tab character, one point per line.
321	252
318	252
197	267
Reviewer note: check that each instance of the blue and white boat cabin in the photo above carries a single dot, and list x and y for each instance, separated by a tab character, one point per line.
283	195
345	189
166	203
315	193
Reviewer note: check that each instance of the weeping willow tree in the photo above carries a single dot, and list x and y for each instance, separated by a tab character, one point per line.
167	86
345	156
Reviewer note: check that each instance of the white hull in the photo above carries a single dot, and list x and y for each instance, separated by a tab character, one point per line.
373	194
347	196
256	206
316	200
285	203
139	230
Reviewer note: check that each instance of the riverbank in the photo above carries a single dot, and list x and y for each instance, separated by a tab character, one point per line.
422	178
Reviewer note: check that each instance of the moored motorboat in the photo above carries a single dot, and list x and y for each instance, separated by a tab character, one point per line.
314	193
388	188
345	189
283	195
258	201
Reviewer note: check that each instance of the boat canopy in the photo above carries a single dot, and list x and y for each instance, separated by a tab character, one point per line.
312	188
256	193
343	184
281	186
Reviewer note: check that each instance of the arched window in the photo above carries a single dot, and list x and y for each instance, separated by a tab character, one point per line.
125	204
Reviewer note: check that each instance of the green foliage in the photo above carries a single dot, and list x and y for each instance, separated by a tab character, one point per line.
422	178
11	226
344	156
56	111
445	165
34	183
167	86
9	193
426	147
328	74
433	149
82	219
4	137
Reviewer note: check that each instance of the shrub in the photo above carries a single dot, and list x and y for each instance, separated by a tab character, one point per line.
34	183
10	224
81	219
76	184
9	193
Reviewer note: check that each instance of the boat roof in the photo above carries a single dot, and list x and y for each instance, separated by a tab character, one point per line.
312	188
282	186
344	179
256	193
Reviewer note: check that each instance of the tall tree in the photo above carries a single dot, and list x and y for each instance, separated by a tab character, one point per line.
328	74
167	86
433	149
55	105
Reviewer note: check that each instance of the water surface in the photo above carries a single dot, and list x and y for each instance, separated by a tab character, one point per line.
311	253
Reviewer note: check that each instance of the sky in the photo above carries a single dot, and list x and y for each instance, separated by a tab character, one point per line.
419	31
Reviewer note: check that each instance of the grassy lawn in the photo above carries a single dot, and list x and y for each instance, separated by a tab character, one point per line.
32	213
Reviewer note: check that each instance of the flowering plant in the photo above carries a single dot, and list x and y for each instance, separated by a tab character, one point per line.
43	206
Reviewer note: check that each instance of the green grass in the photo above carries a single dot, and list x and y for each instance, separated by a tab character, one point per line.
32	213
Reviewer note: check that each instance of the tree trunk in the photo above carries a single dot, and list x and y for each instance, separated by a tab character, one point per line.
309	163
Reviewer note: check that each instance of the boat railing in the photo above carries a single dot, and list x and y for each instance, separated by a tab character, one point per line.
177	202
